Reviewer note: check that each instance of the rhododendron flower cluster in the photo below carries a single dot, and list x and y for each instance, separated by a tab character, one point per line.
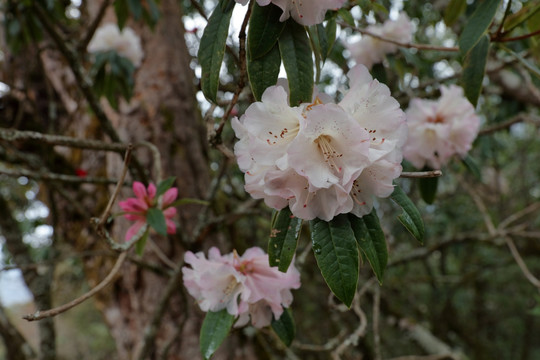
145	198
126	42
439	129
369	50
319	159
305	12
244	285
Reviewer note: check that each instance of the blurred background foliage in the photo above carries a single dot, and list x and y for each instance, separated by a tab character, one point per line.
461	290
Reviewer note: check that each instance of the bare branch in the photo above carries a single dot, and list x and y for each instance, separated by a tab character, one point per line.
519	260
63	308
421	174
401	44
95	23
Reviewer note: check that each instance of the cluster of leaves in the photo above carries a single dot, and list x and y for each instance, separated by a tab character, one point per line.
146	10
113	75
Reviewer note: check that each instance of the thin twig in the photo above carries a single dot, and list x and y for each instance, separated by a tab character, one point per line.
95	23
516	216
107	211
401	44
38	315
14	135
421	174
489	130
521	37
501	25
376	318
519	260
481	207
48	176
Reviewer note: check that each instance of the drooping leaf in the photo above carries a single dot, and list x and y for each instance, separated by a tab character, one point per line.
454	9
296	55
331	29
284	327
336	252
347	17
139	245
121	10
428	189
323	41
371	241
212	47
474	67
165	185
264	30
410	217
264	71
477	25
156	220
136	8
214	330
283	238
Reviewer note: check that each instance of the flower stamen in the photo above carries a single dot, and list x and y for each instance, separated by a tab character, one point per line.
324	142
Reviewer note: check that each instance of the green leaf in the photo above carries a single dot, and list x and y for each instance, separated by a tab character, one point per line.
336	252
122	11
165	185
323	41
140	244
296	55
347	17
454	9
410	217
284	327
331	29
264	30
263	72
136	9
283	238
428	188
371	240
214	330
156	220
474	67
212	47
477	25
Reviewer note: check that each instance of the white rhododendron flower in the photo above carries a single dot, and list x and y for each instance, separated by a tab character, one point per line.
440	129
369	50
319	159
244	285
305	12
126	43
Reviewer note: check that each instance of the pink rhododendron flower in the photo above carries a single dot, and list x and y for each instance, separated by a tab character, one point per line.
369	50
126	42
322	159
305	12
244	285
440	129
137	207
